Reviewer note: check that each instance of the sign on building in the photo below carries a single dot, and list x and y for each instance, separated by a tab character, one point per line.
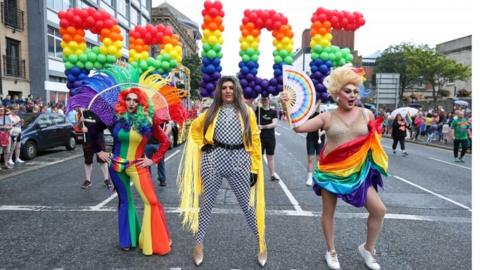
387	89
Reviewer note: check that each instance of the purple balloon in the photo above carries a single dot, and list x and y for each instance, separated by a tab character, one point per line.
279	87
273	82
250	77
210	87
204	92
243	82
216	75
247	92
264	83
265	93
271	89
248	89
257	88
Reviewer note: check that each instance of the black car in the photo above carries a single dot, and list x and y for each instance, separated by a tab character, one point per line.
45	130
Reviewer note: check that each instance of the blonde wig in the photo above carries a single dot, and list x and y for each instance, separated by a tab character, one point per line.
342	76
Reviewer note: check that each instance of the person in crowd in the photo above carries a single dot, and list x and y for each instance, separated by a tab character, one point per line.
135	121
5	139
351	163
267	121
87	122
224	142
399	132
15	135
428	130
461	134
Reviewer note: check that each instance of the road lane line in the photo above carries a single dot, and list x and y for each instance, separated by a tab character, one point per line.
289	194
113	196
42	165
449	163
236	211
433	193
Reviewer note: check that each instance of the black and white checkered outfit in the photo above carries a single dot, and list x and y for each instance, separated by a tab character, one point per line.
234	165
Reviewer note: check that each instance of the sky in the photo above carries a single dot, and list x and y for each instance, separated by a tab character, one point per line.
387	23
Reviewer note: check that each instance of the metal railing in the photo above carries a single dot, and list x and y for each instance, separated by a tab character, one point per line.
13	67
12	17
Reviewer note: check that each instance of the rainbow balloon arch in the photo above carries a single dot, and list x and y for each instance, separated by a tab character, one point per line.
80	60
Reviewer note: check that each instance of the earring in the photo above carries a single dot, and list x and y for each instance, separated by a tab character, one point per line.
336	99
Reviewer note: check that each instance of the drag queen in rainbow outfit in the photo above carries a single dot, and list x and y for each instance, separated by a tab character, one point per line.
128	105
351	163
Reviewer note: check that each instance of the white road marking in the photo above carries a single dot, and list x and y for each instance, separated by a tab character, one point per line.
449	163
113	196
236	211
433	193
41	165
289	194
276	133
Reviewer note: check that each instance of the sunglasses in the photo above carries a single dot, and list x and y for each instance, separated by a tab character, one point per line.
131	99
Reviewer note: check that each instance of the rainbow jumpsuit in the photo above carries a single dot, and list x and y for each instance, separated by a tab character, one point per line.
152	236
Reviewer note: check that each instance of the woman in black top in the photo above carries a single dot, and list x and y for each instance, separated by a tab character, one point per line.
399	132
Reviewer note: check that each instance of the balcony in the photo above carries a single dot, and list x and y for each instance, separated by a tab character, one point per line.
12	18
13	67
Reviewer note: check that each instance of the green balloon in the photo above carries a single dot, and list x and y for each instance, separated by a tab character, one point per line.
83	58
166	65
73	58
283	53
101	58
173	63
317	49
69	65
143	64
204	54
250	51
157	63
97	65
217	47
254	58
211	54
288	60
275	53
89	65
134	64
315	55
341	62
150	61
331	56
245	58
220	54
349	58
338	55
80	64
96	50
111	59
206	47
166	57
277	59
324	56
92	57
161	70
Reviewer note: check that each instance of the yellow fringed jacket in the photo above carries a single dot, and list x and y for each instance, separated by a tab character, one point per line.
189	178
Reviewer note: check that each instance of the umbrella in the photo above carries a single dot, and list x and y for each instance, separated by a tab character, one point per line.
404	111
461	103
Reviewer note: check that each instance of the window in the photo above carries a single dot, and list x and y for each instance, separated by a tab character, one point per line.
59	5
12	58
109	2
44	121
122	7
85	4
144	3
54	40
134	16
57	119
57	79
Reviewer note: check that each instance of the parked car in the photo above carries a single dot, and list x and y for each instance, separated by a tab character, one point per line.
45	130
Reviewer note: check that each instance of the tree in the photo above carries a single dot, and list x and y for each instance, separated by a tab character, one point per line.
395	59
434	68
193	62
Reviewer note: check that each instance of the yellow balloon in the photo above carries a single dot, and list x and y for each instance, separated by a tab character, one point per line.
328	36
79	51
254	45
63	44
118	54
107	41
212	40
82	46
73	45
67	51
118	44
250	38
103	49
144	55
112	49
289	47
217	33
325	43
244	45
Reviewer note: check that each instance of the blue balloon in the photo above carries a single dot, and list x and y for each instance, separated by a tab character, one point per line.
244	70
218	69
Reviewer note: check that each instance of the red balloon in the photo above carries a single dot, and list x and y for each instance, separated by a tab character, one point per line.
148	38
269	24
259	23
207	4
158	37
64	23
89	22
134	34
105	15
62	14
276	25
91	11
77	21
98	26
217	5
98	16
149	27
322	17
108	23
204	12
213	12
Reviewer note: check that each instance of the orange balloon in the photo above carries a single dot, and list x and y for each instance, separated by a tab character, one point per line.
67	38
138	48
79	39
250	26
213	26
115	36
115	29
145	48
63	30
71	30
255	32
218	20
105	32
327	25
207	19
221	28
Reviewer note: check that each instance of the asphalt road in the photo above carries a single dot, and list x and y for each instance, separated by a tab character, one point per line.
48	222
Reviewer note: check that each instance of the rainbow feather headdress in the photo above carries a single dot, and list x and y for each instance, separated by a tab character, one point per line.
347	167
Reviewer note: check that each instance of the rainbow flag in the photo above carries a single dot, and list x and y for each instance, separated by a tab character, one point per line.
345	170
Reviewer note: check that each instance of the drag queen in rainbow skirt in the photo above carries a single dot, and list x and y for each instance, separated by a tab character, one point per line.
351	163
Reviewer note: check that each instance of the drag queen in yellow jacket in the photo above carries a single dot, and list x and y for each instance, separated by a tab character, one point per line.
223	142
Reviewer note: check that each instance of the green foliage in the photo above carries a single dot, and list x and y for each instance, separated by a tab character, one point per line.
435	68
193	62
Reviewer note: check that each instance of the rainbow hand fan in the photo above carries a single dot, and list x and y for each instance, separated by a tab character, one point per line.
298	86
